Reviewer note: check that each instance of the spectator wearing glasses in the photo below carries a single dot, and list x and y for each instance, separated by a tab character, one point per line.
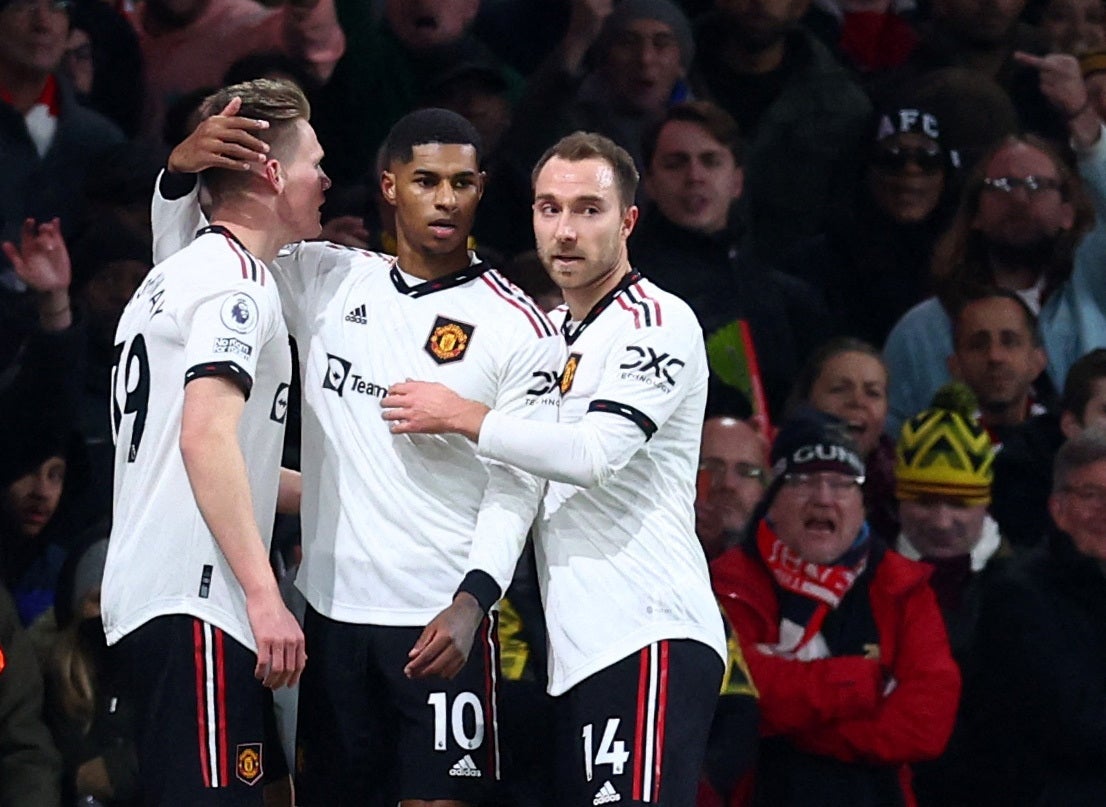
843	637
733	472
872	262
1022	225
1041	645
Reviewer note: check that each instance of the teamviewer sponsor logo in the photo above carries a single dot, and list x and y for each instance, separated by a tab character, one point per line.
465	767
358	315
337	371
606	795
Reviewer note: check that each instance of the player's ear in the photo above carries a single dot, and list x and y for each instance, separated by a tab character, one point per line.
273	173
481	184
629	219
388	187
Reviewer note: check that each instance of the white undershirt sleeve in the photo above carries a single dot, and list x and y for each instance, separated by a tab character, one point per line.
585	453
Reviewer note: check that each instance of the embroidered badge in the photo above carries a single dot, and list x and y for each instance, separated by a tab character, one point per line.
449	340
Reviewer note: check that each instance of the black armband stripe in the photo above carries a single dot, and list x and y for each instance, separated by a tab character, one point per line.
176	186
483	587
635	416
227	369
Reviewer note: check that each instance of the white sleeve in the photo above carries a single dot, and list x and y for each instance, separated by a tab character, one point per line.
298	269
175	221
528	392
642	385
225	330
309	272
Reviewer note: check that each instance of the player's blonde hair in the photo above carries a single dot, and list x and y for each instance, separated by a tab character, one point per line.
280	102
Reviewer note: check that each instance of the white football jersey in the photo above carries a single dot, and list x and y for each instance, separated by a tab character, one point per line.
210	309
619	563
392	523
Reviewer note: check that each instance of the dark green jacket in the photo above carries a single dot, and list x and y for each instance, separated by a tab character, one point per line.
30	766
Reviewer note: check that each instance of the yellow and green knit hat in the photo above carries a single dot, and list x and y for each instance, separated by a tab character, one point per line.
943	451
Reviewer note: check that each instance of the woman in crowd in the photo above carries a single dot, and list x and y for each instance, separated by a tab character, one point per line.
872	265
846	377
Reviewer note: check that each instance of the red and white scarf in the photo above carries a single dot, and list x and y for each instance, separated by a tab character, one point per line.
827	585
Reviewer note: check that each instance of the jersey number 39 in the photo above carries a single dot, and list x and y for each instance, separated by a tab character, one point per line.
133	385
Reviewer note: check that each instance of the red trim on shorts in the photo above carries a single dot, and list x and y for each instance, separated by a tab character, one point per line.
639	732
201	710
662	707
489	688
221	705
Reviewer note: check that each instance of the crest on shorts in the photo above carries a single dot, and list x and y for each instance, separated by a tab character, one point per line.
248	767
448	340
568	375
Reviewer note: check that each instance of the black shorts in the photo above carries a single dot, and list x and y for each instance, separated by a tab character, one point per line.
201	735
368	735
636	732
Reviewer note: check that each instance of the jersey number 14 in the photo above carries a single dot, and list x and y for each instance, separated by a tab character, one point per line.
611	751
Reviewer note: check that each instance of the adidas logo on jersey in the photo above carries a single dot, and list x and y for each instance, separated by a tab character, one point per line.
607	794
465	767
358	315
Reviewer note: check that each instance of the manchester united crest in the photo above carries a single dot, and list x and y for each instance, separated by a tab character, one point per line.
568	375
248	768
449	340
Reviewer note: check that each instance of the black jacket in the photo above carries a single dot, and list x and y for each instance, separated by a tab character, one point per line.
1039	692
1023	479
723	284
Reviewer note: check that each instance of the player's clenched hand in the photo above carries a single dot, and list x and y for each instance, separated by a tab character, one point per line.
280	648
443	647
421	407
221	141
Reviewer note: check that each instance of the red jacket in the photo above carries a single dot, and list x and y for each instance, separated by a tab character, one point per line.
835	707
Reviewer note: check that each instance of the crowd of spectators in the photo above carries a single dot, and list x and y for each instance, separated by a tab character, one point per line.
890	219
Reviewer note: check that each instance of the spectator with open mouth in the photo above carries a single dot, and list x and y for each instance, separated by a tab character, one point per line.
843	636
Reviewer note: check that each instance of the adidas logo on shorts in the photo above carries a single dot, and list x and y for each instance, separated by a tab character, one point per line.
465	767
358	315
607	794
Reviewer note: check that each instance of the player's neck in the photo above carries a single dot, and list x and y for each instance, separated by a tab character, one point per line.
262	243
581	300
427	266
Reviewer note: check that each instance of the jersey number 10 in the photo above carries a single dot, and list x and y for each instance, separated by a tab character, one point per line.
457	720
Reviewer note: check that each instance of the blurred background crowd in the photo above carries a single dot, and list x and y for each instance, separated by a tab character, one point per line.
887	216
